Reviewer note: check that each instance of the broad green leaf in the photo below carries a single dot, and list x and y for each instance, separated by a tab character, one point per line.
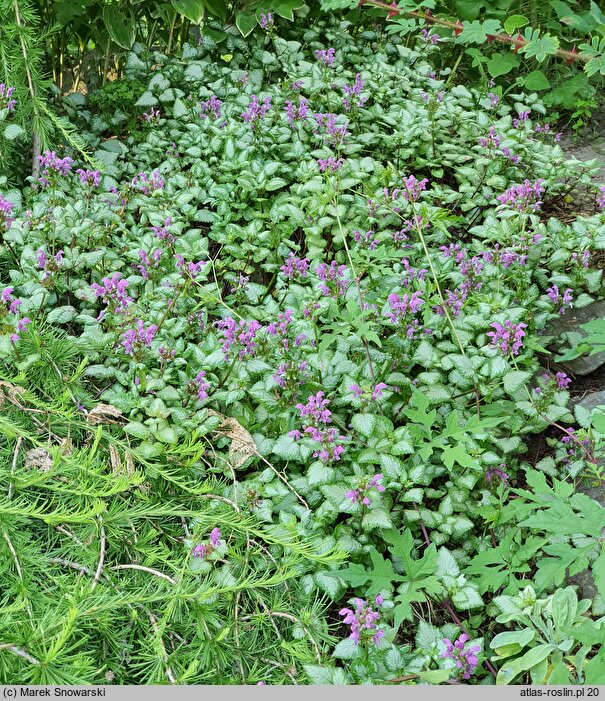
217	8
120	25
512	669
536	80
193	10
245	22
381	576
501	64
514	22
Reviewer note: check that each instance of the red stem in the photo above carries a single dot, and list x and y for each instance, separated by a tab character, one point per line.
518	41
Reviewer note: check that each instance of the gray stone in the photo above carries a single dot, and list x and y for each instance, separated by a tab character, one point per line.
570	322
592	400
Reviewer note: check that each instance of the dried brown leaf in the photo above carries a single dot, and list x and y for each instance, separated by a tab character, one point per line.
104	414
38	458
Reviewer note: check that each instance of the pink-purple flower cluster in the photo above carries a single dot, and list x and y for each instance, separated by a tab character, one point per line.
330	165
297	113
363	621
353	98
138	337
295	267
89	177
560	300
190	269
601	197
148	184
371	395
335	134
291	374
147	262
266	21
201	386
163	232
242	334
325	56
316	417
152	116
113	293
430	38
360	494
213	104
7	101
496	475
52	166
333	278
6	208
464	656
508	337
214	542
10	305
523	197
401	307
256	111
366	240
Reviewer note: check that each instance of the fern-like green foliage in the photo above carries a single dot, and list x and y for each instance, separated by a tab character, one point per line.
22	44
99	580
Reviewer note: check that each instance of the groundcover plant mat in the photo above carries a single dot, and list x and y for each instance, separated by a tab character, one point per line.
273	367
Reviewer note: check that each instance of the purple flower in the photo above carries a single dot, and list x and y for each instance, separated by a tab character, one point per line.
138	337
523	197
6	208
113	292
562	301
363	622
243	334
6	294
562	380
201	386
200	550
53	166
152	116
163	232
330	165
496	475
334	279
148	184
256	110
215	537
316	417
508	337
360	494
266	21
522	117
335	134
492	139
366	240
430	38
295	266
601	197
21	326
297	113
291	374
465	657
401	307
89	177
325	57
493	99
7	102
211	105
413	187
353	98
